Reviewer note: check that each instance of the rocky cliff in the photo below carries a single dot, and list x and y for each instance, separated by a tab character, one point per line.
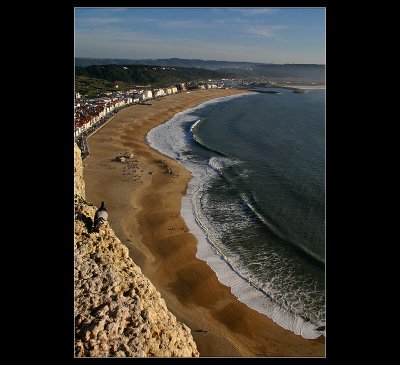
78	173
118	312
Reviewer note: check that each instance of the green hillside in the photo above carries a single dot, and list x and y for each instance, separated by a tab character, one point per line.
103	77
246	70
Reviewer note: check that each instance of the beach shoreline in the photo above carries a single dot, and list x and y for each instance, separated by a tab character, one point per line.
143	196
307	87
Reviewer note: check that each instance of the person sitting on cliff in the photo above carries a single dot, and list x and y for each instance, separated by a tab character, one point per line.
100	217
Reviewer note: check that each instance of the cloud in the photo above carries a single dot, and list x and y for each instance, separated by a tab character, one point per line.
146	20
257	11
267	31
111	43
184	24
97	21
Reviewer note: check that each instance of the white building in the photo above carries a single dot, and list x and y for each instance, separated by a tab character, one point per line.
158	93
147	94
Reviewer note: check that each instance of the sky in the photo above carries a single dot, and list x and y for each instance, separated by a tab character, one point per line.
266	35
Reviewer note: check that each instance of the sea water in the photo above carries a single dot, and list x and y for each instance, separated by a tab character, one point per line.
256	200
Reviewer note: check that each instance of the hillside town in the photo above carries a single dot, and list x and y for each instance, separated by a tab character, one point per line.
90	114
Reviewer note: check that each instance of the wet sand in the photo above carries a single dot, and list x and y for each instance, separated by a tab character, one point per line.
143	197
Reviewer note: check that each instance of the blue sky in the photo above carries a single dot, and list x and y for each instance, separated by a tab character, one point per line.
269	35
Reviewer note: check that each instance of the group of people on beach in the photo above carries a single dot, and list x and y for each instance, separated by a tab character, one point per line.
131	167
167	169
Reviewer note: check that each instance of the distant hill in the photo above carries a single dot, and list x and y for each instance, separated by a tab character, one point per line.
178	62
288	72
147	74
93	79
284	72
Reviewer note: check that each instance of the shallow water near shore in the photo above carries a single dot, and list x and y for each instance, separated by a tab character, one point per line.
256	199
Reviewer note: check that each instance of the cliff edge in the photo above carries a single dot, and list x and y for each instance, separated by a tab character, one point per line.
118	311
79	183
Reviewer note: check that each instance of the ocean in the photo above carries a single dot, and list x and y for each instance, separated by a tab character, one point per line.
256	201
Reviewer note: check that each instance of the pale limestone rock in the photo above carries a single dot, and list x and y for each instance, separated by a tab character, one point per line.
78	169
118	312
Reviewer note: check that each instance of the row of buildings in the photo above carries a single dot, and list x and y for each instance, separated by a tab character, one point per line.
92	113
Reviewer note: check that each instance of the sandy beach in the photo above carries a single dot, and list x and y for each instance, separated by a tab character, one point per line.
143	197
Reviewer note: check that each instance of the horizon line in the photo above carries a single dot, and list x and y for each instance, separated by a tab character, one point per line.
199	59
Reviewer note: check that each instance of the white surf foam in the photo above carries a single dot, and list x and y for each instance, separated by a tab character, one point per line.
170	138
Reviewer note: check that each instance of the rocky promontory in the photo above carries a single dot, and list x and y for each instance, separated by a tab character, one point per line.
118	311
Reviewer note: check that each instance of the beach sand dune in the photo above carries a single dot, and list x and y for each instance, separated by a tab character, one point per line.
144	211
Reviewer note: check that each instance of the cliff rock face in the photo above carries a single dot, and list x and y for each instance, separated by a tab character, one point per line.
78	170
118	312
